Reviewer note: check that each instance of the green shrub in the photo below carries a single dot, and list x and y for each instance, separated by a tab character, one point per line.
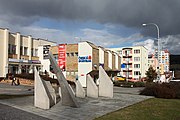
139	84
164	90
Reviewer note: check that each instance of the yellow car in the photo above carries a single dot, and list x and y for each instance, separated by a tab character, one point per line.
120	78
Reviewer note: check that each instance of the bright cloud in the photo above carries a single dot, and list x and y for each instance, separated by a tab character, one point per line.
149	44
106	39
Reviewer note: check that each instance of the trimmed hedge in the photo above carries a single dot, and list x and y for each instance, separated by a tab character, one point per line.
164	90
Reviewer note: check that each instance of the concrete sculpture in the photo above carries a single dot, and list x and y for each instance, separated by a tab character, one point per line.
68	98
92	89
105	84
80	92
43	97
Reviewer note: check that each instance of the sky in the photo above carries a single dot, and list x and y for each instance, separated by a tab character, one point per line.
108	23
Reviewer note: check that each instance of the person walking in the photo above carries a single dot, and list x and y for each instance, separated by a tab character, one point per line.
13	80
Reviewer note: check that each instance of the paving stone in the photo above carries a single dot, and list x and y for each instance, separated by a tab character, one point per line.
90	108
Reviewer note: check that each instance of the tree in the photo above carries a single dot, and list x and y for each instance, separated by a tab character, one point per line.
151	74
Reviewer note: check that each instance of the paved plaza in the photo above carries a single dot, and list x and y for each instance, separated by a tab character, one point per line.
90	108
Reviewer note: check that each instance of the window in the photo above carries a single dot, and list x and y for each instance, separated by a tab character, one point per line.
32	52
137	73
136	65
136	51
76	53
25	50
136	58
11	49
72	54
36	52
67	54
21	50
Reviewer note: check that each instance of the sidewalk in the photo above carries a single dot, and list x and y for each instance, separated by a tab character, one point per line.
90	108
8	89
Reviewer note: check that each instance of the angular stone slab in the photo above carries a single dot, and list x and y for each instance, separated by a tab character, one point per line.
92	89
80	92
105	84
42	96
52	92
68	98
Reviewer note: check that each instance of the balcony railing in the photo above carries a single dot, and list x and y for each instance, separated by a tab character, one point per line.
127	54
34	58
25	57
13	56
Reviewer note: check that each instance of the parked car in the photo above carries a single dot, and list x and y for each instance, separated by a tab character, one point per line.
121	78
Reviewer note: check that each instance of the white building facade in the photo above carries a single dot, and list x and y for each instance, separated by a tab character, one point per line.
134	63
19	52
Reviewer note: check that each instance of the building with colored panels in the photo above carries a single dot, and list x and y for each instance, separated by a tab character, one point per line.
134	62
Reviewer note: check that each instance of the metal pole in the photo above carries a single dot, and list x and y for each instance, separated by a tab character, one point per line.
158	32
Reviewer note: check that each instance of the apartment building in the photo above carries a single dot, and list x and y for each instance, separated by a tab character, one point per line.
152	61
134	62
164	60
85	58
19	53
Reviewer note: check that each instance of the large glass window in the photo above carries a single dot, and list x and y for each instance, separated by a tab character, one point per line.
21	50
11	49
25	50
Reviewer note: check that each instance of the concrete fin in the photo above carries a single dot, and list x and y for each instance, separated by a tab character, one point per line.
92	89
42	98
80	92
105	84
52	91
68	98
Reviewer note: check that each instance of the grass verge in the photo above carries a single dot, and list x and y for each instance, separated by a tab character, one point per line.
151	109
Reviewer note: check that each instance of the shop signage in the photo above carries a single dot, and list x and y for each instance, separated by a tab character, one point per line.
18	60
62	56
85	58
13	60
46	51
34	61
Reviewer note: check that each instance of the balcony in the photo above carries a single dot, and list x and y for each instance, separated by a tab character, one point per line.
25	57
13	56
127	55
127	69
34	58
127	61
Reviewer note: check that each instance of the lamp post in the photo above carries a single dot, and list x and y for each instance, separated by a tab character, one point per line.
145	24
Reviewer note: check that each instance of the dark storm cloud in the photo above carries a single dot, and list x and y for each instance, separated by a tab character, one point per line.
131	13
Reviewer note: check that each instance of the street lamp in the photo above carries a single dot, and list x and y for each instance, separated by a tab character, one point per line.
145	24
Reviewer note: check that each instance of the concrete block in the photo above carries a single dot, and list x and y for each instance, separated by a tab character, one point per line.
80	92
68	98
92	89
42	96
105	84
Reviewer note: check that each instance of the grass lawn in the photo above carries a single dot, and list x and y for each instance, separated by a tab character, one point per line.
151	109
